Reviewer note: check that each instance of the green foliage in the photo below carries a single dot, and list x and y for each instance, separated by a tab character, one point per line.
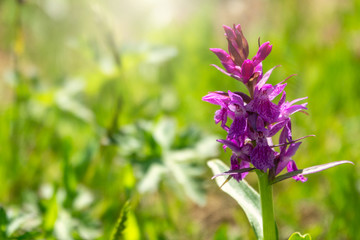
221	233
158	157
243	193
298	236
3	223
51	214
120	225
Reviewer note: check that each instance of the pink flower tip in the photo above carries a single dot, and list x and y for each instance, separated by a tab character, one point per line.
247	69
262	53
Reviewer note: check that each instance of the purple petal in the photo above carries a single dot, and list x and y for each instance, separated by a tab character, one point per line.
292	149
262	53
265	108
277	90
236	98
297	100
242	42
237	127
225	59
245	97
229	32
281	165
262	157
234	73
243	165
252	118
233	146
258	69
237	44
282	99
265	78
291	167
286	109
285	156
247	149
285	134
235	165
293	109
276	128
216	98
221	54
260	125
233	46
221	116
247	70
221	70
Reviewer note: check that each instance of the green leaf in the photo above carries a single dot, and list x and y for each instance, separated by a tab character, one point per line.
298	236
51	213
119	227
309	170
150	182
243	193
186	175
27	236
164	132
132	231
221	233
3	223
66	100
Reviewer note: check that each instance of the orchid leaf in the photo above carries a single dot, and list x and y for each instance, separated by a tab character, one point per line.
309	170
243	193
298	236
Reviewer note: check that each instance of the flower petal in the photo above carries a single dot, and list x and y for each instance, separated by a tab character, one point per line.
235	165
262	157
247	70
216	98
291	166
262	53
265	78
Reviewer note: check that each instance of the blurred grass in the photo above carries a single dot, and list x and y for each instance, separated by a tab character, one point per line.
86	87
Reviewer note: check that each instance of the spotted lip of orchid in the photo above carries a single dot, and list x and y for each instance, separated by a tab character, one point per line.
251	120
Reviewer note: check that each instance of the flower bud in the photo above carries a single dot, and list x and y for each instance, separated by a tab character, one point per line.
262	53
247	70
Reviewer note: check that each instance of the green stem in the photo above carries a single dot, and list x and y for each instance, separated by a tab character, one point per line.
267	210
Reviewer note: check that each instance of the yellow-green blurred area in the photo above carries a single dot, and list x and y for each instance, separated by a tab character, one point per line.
101	105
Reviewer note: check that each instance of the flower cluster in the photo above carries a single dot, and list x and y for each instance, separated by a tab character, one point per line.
255	118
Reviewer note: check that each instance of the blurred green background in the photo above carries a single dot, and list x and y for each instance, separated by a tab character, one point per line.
101	105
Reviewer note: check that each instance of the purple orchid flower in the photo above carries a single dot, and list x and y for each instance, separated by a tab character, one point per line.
256	118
